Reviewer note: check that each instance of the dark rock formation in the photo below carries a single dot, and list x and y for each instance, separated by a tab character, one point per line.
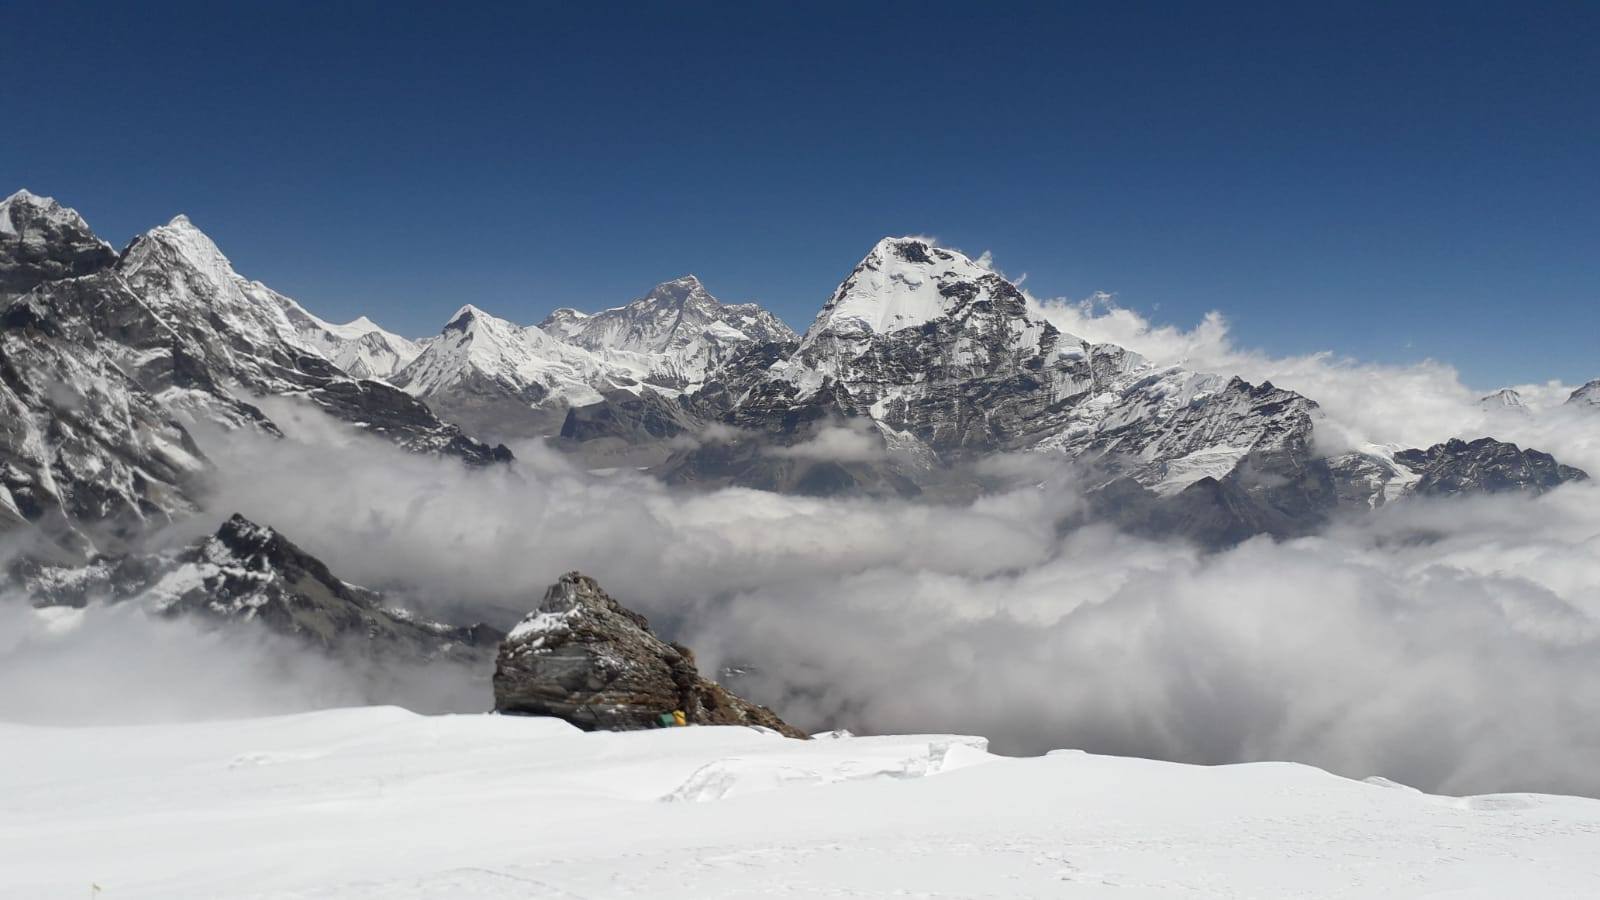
41	240
251	573
1484	466
583	657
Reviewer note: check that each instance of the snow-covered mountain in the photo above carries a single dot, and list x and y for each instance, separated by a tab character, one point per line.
1587	396
45	241
943	358
362	348
925	359
254	333
684	331
1505	399
110	360
921	365
498	378
237	338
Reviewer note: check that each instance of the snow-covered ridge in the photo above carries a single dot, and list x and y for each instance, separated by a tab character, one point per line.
381	803
361	348
475	346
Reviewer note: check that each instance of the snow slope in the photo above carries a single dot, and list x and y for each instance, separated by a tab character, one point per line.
362	348
382	803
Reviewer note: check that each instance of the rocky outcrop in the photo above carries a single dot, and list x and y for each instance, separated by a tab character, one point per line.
583	657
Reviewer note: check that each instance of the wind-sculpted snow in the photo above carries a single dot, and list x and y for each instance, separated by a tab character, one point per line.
361	804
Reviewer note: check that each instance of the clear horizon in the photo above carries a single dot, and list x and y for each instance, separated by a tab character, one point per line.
1389	185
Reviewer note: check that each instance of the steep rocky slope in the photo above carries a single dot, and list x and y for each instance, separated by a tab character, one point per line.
88	457
250	573
41	240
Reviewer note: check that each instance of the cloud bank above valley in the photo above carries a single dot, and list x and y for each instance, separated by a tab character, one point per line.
1452	645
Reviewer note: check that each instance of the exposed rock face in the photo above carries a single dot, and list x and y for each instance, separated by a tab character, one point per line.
41	240
583	657
1484	466
89	458
251	573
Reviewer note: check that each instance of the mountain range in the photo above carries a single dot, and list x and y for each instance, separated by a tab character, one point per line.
920	371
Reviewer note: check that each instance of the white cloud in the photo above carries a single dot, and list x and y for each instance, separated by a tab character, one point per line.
839	443
1449	645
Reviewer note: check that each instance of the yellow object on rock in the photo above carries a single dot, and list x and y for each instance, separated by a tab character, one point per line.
678	717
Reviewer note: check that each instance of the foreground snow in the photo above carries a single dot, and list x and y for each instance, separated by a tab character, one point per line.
379	802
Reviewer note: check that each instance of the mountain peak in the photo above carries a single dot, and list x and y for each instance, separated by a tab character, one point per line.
41	240
179	241
906	282
1505	398
463	317
25	196
24	212
469	316
1588	395
677	293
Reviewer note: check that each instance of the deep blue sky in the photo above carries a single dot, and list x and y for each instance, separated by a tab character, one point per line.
1391	184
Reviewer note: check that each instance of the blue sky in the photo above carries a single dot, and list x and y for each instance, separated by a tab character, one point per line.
1387	183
